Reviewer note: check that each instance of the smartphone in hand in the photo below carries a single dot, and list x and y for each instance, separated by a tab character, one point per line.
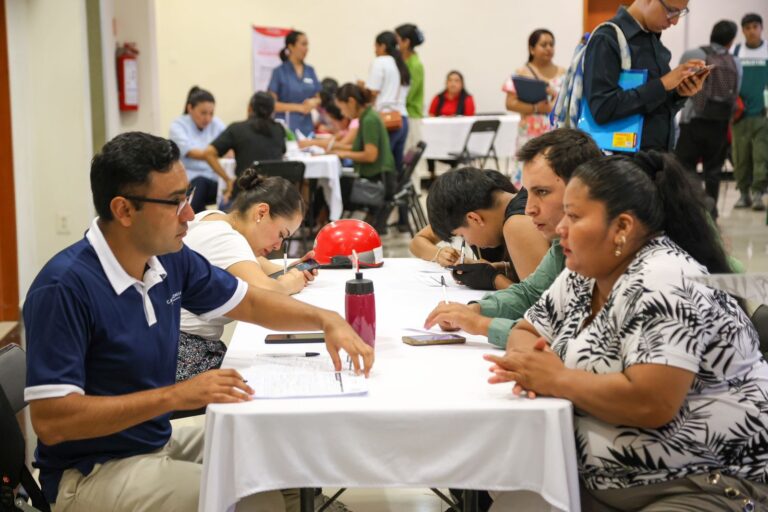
301	266
701	70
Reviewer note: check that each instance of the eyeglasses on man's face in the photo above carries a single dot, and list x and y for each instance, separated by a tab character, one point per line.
180	204
673	12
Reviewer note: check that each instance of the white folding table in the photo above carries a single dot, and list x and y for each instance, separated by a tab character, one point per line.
430	418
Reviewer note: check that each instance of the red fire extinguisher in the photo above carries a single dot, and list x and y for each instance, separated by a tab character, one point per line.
127	76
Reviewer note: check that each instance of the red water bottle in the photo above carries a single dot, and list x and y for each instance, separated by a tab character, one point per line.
360	308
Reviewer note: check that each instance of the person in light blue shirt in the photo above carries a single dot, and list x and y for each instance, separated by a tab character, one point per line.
294	85
192	132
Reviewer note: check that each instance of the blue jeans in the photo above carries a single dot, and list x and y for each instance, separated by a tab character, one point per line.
397	145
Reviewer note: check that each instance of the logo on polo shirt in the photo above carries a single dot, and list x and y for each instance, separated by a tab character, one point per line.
176	296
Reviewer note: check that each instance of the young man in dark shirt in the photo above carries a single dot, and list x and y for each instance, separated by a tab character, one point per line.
663	94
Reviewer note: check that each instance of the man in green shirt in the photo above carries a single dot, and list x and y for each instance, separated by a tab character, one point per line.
548	162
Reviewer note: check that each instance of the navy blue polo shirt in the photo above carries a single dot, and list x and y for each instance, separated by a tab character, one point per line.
92	329
291	88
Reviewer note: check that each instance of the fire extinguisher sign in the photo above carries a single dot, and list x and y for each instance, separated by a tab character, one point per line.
131	82
128	77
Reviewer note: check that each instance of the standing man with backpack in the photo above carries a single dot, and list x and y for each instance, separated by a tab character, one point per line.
705	117
665	90
750	132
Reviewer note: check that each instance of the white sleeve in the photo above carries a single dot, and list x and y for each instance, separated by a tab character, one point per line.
221	245
376	75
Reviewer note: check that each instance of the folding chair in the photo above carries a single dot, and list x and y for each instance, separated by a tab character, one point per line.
406	194
294	172
487	128
13	467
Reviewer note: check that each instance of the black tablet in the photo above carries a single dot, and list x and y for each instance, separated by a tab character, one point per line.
530	90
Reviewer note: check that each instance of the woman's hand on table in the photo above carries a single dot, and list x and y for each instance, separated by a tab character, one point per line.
340	335
535	372
454	316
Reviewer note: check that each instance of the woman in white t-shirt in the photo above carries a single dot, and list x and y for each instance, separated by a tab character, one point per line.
264	214
389	81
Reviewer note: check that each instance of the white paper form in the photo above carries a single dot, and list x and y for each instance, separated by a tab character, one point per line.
300	377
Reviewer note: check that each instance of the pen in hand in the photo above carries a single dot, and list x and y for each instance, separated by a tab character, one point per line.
445	292
285	257
461	256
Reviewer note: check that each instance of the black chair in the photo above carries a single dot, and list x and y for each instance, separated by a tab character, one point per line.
294	172
486	127
406	195
13	467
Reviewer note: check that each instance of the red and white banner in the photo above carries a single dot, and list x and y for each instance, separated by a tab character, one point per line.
267	43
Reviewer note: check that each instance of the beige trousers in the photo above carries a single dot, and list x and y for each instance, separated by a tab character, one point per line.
167	479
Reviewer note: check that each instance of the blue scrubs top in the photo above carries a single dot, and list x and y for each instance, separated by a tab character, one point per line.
291	88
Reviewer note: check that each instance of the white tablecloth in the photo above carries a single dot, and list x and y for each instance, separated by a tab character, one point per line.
325	168
447	134
429	420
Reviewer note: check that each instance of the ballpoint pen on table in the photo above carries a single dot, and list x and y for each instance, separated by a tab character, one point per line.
445	292
297	354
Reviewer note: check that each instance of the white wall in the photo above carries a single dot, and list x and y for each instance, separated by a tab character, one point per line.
209	43
50	116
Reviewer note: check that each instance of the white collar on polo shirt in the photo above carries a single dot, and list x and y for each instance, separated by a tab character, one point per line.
119	278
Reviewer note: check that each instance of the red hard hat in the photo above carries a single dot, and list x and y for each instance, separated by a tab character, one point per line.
336	241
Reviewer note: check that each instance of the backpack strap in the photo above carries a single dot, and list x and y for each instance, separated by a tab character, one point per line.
737	50
626	57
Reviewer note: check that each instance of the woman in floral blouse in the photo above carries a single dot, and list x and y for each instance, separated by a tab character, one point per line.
665	373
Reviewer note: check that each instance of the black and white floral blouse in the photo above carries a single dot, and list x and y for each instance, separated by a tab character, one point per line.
655	314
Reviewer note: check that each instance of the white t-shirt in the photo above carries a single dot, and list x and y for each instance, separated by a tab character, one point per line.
745	52
222	246
384	77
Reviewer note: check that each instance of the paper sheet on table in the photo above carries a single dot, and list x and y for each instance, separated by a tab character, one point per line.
300	377
753	287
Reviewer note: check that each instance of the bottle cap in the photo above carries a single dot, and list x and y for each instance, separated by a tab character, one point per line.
359	286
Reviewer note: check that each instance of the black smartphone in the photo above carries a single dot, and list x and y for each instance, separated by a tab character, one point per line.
309	264
434	339
295	337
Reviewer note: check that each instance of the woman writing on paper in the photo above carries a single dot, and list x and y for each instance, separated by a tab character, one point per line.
370	150
264	214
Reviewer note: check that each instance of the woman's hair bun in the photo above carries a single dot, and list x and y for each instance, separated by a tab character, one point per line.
249	179
652	162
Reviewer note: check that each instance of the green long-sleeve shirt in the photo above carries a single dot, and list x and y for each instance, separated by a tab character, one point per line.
507	306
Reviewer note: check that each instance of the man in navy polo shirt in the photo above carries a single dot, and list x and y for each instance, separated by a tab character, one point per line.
102	323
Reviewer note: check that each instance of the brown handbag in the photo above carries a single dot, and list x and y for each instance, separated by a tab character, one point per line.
393	120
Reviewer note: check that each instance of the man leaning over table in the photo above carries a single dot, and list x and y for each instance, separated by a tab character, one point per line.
102	322
548	162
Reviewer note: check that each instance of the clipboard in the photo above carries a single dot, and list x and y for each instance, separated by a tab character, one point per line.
623	135
530	90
